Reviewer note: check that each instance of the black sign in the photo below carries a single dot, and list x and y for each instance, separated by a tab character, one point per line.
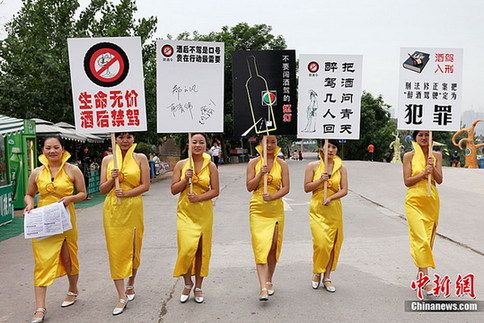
264	92
106	64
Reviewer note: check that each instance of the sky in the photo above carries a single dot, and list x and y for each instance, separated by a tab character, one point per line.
376	29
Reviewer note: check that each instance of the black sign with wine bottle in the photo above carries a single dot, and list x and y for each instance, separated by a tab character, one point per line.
264	92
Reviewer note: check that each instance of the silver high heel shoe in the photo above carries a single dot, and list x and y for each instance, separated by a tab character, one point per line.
69	303
119	310
264	297
184	298
270	291
39	319
330	289
198	299
316	284
130	296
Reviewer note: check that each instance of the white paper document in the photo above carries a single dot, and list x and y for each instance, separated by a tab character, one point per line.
46	221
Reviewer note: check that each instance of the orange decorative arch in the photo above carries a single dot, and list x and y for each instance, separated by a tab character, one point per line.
471	148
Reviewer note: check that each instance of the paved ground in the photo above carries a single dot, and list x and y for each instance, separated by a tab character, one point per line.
372	278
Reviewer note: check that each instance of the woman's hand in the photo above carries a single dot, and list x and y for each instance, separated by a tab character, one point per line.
66	200
115	172
324	177
193	198
120	193
264	170
326	202
267	197
189	173
28	208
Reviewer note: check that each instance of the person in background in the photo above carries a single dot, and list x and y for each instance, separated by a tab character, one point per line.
156	160
422	210
86	161
371	150
194	216
215	152
454	159
123	214
108	151
300	155
55	256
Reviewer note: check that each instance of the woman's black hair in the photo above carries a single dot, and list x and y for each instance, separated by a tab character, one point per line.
335	143
414	135
54	137
201	134
117	134
260	137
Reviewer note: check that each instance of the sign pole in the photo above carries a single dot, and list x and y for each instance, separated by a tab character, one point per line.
264	146
325	168
190	159
115	162
429	191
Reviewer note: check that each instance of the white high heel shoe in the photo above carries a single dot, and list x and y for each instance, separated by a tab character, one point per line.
264	297
270	291
130	296
316	284
198	299
69	303
119	310
39	319
184	298
330	289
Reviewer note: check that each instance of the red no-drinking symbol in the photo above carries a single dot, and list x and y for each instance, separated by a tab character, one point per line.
106	64
313	67
167	50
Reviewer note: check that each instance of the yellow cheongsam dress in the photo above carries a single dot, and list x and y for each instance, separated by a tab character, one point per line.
265	215
194	222
124	222
48	264
422	213
326	222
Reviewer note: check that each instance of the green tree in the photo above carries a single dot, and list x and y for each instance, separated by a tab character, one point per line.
34	63
376	128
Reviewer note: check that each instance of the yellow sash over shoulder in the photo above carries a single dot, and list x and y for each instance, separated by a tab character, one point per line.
124	223
194	222
326	222
48	264
265	215
422	212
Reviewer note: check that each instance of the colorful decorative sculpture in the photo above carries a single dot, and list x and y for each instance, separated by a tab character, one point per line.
396	149
471	148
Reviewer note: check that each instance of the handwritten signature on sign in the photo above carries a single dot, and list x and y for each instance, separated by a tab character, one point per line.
206	111
181	108
178	90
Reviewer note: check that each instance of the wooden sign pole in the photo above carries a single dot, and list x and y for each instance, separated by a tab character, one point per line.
430	154
190	160
325	168
264	147
115	162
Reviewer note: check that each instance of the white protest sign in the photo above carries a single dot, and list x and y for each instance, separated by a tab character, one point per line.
329	96
190	86
430	89
107	84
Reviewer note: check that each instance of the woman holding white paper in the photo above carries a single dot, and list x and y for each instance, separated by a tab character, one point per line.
194	216
123	213
326	215
422	210
267	211
56	255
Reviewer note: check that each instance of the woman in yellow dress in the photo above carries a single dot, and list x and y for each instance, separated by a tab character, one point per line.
123	221
194	216
56	255
267	212
326	216
421	210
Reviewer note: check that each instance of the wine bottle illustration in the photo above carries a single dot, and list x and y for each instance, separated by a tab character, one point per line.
260	99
